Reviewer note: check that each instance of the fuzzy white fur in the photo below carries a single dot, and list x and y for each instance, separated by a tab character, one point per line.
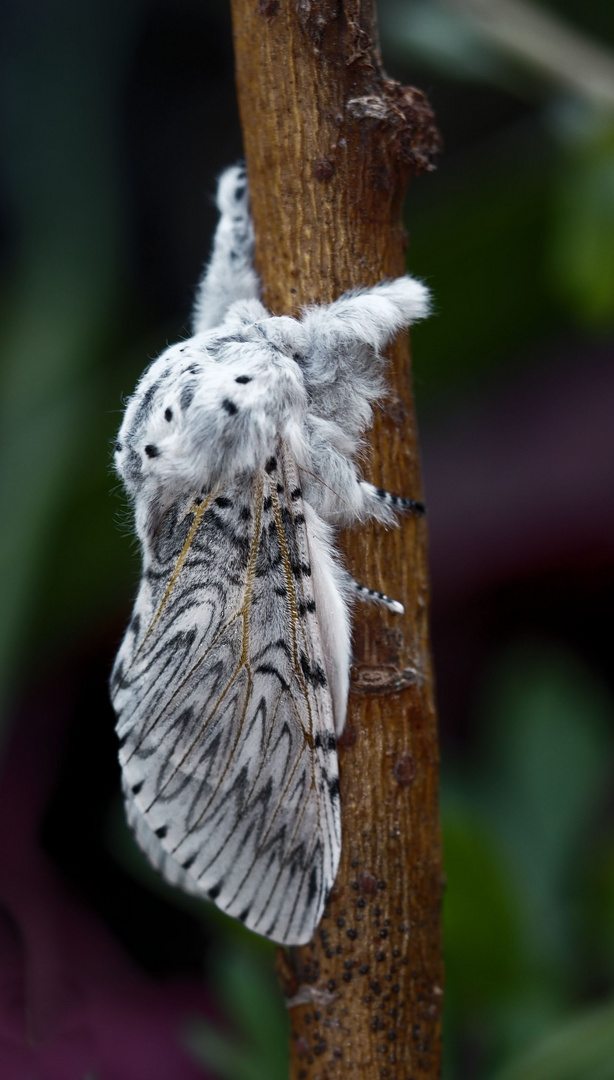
255	423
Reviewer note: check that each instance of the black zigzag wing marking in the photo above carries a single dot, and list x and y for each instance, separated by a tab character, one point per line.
224	715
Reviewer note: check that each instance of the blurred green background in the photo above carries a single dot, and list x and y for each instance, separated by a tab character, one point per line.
115	121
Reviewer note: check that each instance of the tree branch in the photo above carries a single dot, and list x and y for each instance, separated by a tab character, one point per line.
329	143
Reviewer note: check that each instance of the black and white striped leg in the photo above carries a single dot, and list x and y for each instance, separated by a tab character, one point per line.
377	597
395	502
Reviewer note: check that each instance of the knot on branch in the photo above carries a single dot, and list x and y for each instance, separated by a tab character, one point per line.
408	117
384	679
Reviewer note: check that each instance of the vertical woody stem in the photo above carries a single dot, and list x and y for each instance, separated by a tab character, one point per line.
329	144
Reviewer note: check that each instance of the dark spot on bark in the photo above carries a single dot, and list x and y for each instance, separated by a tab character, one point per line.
405	770
324	170
367	884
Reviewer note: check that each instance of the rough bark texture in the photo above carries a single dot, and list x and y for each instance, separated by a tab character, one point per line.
329	144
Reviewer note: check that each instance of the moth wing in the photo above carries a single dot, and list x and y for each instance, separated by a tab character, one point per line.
224	711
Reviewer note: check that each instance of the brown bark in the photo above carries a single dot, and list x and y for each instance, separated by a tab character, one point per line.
329	143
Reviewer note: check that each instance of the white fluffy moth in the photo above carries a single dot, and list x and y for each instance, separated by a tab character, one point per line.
237	449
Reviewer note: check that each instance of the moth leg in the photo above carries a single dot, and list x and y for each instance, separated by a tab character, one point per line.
370	317
229	275
336	492
377	496
363	593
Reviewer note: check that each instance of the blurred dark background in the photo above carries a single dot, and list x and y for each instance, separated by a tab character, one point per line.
116	119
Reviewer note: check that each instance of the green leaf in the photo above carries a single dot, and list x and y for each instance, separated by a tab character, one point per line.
482	938
581	261
548	727
580	1049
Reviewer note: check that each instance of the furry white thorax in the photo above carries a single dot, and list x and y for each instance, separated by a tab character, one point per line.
251	424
